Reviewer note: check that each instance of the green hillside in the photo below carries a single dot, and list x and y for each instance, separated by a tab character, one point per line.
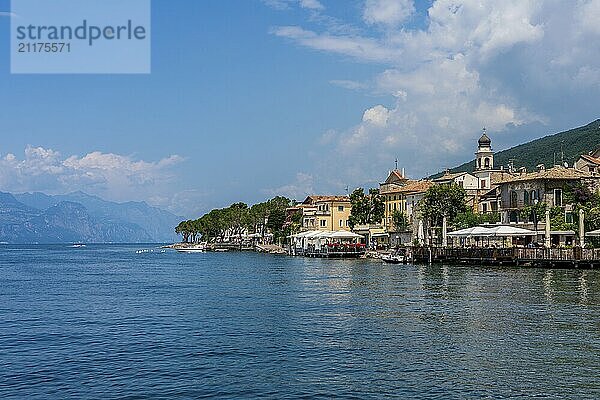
574	142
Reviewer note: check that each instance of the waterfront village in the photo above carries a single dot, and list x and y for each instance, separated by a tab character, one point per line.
498	214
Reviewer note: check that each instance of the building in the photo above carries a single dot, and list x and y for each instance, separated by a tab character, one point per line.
391	193
399	194
462	179
325	213
589	163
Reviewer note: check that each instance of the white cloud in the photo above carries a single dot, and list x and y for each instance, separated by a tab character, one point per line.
471	64
311	4
588	15
301	187
314	5
348	84
388	12
377	116
113	176
358	47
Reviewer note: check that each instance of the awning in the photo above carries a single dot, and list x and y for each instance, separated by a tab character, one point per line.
593	233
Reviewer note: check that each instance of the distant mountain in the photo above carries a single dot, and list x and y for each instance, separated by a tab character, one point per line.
79	217
547	150
157	223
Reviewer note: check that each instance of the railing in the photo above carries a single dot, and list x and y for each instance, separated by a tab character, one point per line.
515	254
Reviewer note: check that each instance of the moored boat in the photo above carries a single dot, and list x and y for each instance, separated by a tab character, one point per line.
194	249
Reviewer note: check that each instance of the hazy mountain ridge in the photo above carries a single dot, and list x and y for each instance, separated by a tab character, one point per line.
79	217
566	146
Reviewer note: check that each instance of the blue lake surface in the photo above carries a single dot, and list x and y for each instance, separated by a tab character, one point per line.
106	322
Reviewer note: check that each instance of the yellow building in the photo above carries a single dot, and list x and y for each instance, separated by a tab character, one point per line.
393	198
401	194
326	213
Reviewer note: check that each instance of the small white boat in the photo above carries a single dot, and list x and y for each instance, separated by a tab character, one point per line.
389	259
78	245
195	249
399	257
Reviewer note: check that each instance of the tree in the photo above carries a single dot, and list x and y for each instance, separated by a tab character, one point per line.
442	200
469	219
400	221
534	213
366	208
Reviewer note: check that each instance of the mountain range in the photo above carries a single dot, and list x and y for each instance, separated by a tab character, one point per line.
80	217
563	147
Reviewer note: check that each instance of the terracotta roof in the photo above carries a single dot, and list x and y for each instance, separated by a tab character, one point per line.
416	187
448	176
591	159
386	188
557	172
315	199
498	177
395	176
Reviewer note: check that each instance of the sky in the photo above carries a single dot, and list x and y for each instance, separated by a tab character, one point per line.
256	98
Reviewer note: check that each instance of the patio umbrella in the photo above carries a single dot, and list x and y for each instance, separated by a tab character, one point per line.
345	235
474	231
506	231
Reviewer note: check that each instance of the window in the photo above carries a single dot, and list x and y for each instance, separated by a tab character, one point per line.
592	170
487	162
569	218
484	207
533	196
395	205
341	223
323	223
558	198
513	199
479	162
340	208
526	198
347	222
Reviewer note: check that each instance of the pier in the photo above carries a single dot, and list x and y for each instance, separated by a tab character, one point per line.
541	257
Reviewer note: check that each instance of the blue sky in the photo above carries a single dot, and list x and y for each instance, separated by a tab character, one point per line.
248	99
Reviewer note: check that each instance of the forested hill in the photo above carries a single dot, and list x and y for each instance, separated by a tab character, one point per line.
574	142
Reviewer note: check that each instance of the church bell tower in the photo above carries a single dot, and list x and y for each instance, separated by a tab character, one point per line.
485	156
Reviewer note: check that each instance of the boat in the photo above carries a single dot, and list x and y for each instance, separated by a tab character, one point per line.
393	259
399	257
78	245
194	249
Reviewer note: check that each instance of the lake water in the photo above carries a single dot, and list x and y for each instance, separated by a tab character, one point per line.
106	322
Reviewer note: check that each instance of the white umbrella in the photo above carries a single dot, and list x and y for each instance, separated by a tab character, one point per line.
504	230
421	232
474	231
593	233
345	235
